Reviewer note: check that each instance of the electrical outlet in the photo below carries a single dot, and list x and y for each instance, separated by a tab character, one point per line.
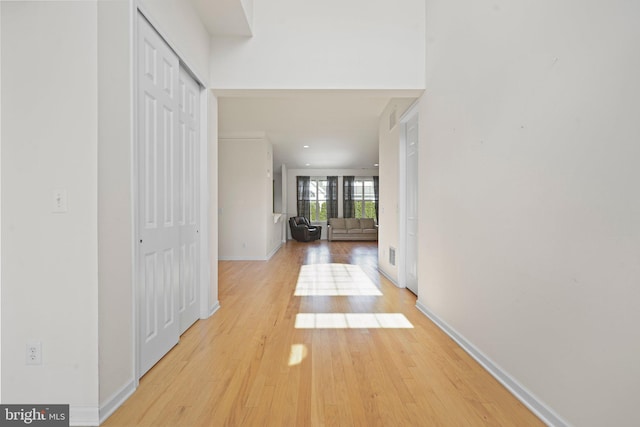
34	353
59	201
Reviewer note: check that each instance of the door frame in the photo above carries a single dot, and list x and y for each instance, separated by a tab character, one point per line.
409	114
137	11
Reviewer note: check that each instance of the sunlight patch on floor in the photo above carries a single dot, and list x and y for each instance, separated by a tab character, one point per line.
352	321
334	280
298	354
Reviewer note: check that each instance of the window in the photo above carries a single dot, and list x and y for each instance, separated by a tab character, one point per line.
318	199
364	198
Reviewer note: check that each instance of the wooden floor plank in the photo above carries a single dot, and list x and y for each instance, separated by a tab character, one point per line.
250	365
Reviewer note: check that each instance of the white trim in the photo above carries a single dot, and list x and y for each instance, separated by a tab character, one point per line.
242	258
274	251
287	93
163	34
215	307
401	251
116	400
389	278
409	112
402	192
535	405
83	416
242	135
134	17
250	258
204	218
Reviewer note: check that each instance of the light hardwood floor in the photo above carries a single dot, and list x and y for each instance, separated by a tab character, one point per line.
258	362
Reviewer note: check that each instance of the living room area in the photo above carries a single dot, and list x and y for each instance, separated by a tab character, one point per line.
335	208
315	156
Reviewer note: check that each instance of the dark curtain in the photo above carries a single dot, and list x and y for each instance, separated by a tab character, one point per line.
304	207
375	195
332	197
348	207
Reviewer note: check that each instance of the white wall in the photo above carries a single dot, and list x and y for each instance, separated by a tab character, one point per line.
178	22
245	218
529	183
274	236
292	189
285	201
273	224
71	129
388	202
277	195
50	260
279	187
115	224
360	44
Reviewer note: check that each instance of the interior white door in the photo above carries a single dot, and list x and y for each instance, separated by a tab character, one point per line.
188	207
411	211
158	227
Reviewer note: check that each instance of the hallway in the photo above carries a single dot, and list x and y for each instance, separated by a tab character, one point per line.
316	336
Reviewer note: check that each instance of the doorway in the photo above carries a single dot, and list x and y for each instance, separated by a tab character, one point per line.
408	274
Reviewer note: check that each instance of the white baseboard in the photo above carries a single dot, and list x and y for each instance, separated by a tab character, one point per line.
389	278
116	400
250	258
274	251
215	307
546	414
84	416
208	311
241	258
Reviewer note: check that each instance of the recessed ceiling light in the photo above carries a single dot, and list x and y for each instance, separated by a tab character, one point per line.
376	165
305	146
308	164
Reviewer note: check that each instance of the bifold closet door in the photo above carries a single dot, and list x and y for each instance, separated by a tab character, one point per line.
157	200
188	206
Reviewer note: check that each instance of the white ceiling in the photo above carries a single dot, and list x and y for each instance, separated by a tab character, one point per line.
225	17
339	126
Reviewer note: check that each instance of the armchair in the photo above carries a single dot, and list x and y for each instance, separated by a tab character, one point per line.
302	230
